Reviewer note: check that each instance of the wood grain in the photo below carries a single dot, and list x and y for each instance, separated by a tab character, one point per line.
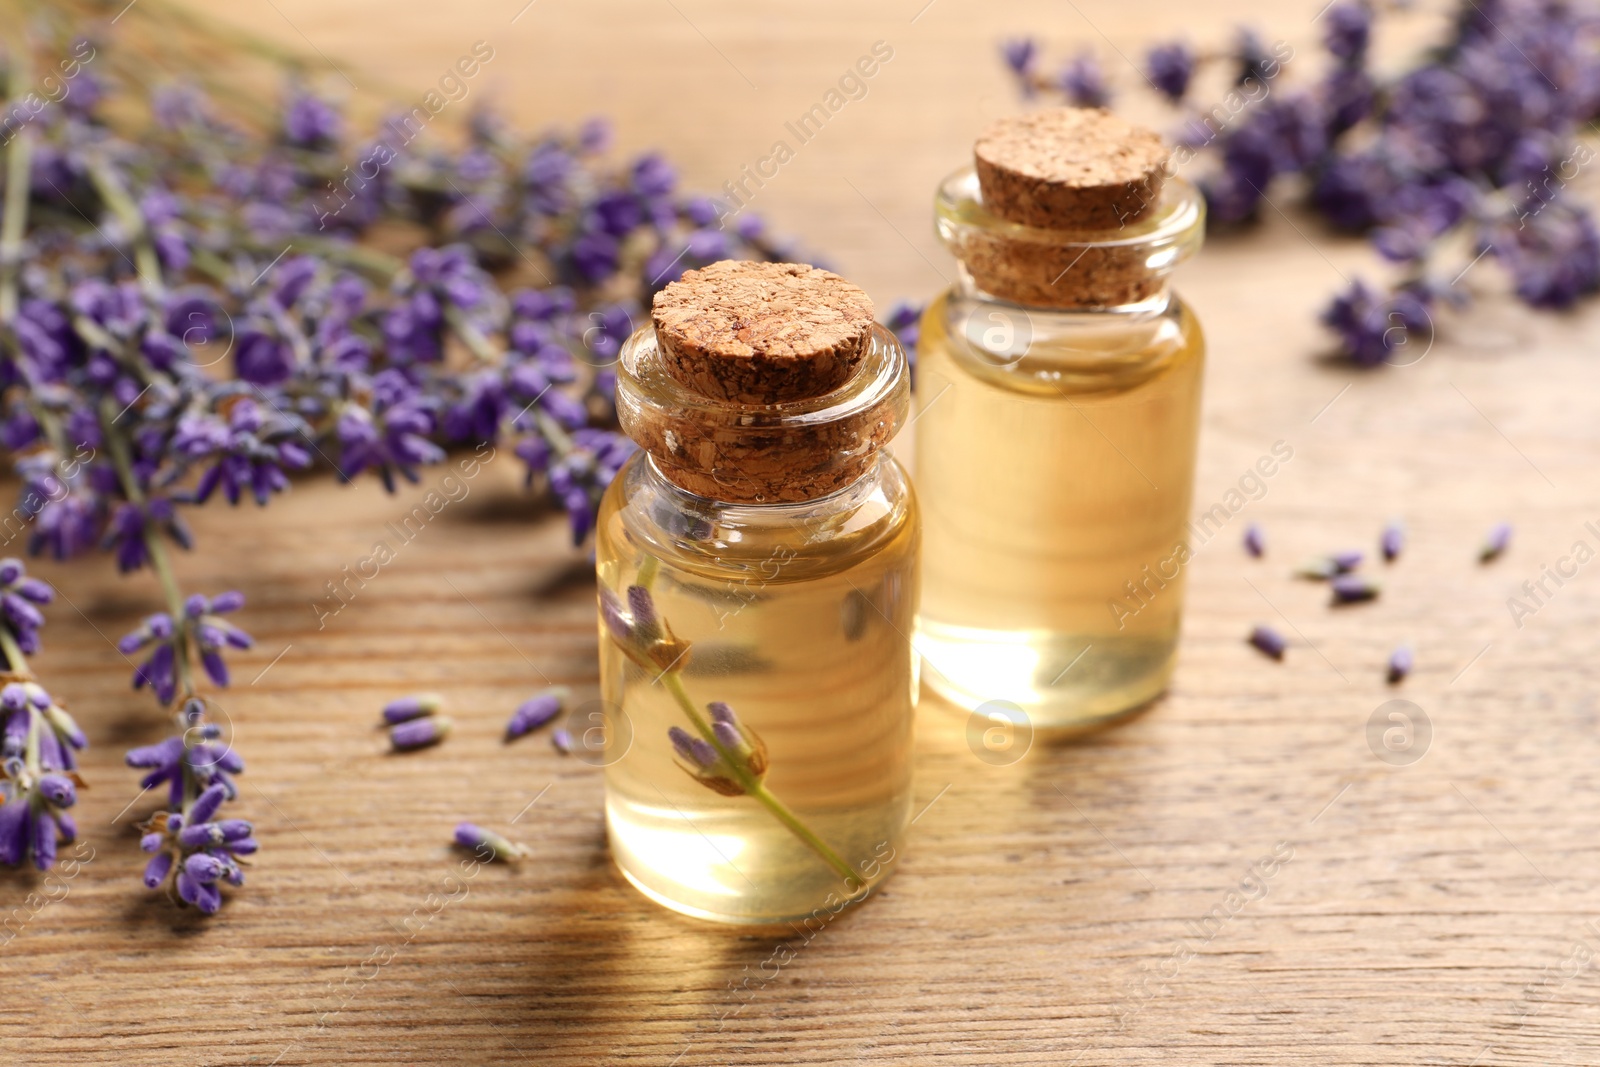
1100	902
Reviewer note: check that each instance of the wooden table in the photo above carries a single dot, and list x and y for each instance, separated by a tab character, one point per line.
1100	902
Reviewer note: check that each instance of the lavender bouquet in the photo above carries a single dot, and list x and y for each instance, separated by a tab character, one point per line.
197	301
1466	152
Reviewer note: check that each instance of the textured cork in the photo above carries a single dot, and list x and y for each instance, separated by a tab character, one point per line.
1046	275
1081	181
1070	169
765	383
789	465
761	333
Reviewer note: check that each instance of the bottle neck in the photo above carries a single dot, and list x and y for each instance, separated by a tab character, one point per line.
1125	267
784	453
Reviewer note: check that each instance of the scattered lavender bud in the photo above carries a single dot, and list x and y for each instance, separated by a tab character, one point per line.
156	871
1392	540
419	733
537	711
1268	641
1254	541
1400	663
561	740
1495	542
415	706
1321	568
1354	588
487	843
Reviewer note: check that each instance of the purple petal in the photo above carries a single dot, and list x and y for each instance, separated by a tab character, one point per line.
1268	641
206	804
419	733
535	712
415	706
156	871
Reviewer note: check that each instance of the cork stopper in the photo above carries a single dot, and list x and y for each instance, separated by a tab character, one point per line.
762	383
1069	198
1070	169
761	333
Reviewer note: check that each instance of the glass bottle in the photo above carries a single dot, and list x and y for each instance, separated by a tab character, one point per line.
755	640
1059	393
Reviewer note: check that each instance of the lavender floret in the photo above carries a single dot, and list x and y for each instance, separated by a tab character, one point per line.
1495	542
1401	661
1268	641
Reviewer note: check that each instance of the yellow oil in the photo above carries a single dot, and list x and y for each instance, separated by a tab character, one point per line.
800	617
1055	490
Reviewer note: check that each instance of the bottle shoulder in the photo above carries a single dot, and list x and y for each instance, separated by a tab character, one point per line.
1055	353
644	514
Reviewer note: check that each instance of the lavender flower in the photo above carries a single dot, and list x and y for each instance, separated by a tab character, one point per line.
1495	542
1401	661
196	850
1084	82
487	844
1170	68
637	630
1329	566
1393	540
1348	28
536	711
736	756
197	758
1254	540
419	733
416	706
1268	641
37	783
20	600
1020	54
1353	589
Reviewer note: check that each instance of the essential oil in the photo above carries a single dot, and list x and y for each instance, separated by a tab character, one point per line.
757	563
1059	391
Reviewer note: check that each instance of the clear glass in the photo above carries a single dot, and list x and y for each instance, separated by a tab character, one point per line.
1055	461
797	615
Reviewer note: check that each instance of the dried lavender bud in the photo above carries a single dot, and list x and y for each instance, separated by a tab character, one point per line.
1268	641
1392	540
1495	542
536	711
1321	568
561	740
643	608
1400	663
1254	540
1354	588
156	871
419	733
728	736
487	843
415	706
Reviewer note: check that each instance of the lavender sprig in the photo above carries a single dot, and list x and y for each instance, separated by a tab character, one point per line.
38	738
722	754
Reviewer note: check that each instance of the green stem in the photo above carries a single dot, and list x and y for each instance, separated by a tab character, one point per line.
160	562
14	655
18	179
753	786
109	185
